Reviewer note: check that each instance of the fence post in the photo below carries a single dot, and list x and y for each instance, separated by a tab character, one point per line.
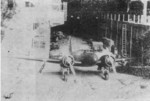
134	18
123	17
128	17
117	36
118	17
111	33
131	41
111	17
138	19
142	49
114	17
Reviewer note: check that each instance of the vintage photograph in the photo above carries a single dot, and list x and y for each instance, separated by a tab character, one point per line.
75	50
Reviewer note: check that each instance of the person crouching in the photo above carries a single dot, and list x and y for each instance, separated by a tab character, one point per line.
66	64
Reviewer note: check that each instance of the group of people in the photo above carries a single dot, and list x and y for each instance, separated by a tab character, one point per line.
103	54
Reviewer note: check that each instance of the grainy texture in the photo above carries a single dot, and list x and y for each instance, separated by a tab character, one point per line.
22	80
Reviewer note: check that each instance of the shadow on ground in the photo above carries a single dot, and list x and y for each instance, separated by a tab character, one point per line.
78	72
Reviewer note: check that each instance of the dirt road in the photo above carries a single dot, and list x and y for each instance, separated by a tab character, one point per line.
26	84
21	81
90	86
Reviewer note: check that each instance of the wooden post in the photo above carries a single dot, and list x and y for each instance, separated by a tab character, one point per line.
111	17
111	28
128	18
142	53
117	36
142	49
138	19
123	17
134	18
106	32
131	42
115	17
118	17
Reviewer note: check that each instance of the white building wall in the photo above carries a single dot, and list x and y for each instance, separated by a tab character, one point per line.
26	41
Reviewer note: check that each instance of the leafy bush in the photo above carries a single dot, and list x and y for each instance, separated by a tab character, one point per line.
7	8
146	46
7	12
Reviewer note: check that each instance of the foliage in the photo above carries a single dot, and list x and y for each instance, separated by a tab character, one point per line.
136	7
7	12
7	8
146	46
